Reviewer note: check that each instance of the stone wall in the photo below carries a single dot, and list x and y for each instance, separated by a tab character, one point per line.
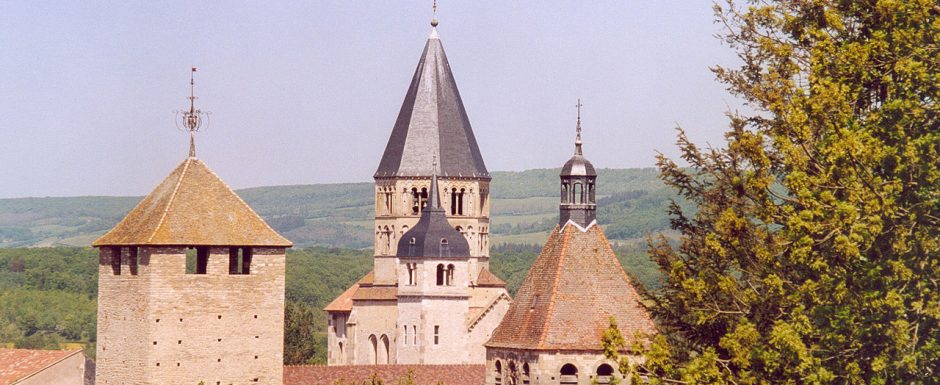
545	367
164	326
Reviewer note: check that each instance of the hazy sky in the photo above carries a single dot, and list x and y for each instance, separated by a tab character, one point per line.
308	91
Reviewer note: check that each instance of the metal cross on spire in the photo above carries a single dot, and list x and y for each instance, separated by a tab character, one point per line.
577	140
434	17
192	120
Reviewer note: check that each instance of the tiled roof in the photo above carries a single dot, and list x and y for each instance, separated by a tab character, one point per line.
15	364
432	123
569	295
376	293
389	374
344	302
192	206
488	279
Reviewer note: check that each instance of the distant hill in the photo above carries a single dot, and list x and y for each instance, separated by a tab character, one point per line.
632	203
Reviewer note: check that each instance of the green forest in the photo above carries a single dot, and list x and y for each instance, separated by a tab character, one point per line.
48	295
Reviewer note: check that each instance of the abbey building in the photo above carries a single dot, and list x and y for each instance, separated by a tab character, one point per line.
430	298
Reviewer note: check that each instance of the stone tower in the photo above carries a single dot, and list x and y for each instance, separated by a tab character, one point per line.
432	124
552	331
417	305
191	288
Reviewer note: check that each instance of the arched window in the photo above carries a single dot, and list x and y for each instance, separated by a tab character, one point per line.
512	373
412	275
440	275
450	275
388	240
577	193
375	349
445	248
564	191
499	373
414	201
424	198
460	202
405	340
383	351
342	356
604	374
569	375
453	201
525	374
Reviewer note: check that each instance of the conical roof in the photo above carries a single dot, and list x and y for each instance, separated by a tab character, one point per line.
432	123
565	303
192	207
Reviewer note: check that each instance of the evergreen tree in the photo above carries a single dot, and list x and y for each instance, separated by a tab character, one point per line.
812	256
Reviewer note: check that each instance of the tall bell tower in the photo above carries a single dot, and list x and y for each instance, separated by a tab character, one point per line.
432	124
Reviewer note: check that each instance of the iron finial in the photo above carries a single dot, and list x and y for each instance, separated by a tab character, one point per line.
191	120
577	139
434	17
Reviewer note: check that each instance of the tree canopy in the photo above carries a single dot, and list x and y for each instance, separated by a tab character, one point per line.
812	256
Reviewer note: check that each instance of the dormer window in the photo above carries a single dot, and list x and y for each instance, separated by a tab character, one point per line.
412	241
445	248
443	241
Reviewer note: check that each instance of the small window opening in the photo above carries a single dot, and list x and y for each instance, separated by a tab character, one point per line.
440	275
412	274
449	279
414	333
424	198
499	373
445	248
525	374
197	262
414	201
132	259
239	260
453	201
604	374
116	261
569	374
460	202
437	334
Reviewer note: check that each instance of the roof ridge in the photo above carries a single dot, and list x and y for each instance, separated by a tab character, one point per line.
551	299
169	202
264	222
486	310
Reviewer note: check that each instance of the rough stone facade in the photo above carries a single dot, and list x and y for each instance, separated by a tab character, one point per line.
164	326
532	367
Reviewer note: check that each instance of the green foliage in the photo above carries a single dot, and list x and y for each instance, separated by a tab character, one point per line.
301	329
524	203
814	252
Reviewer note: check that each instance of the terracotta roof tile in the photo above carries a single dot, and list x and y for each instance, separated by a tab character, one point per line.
192	206
390	374
488	279
15	364
344	302
565	302
376	293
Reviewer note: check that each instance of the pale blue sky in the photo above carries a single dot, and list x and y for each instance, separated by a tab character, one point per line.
307	92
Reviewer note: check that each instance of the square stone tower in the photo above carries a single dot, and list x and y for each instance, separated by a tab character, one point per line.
191	288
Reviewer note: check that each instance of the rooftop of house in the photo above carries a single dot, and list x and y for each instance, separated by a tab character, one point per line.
389	374
17	364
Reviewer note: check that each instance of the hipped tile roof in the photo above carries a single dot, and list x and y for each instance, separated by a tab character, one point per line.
565	302
389	374
192	206
488	279
16	364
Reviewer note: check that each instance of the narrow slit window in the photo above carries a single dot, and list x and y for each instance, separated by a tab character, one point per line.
437	334
239	260
132	259
116	261
197	261
440	275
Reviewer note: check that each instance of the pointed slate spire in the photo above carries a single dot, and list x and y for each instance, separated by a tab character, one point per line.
432	122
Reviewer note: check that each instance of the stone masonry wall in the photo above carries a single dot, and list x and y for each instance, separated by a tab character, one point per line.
186	328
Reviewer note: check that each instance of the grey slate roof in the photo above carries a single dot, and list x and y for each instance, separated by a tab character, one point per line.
432	229
432	122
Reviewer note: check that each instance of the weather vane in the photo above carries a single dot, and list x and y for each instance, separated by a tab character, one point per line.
577	140
192	120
